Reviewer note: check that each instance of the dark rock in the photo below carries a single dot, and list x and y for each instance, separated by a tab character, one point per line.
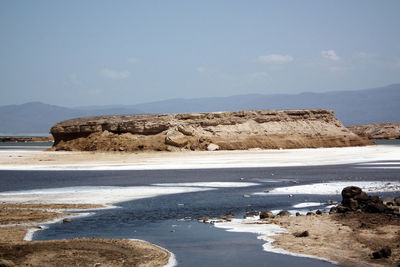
266	215
375	208
204	219
333	210
302	234
384	252
350	203
284	213
66	220
350	192
310	213
397	201
318	212
354	199
298	214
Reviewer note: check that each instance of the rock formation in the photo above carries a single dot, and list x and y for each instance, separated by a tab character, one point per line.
205	131
390	130
354	199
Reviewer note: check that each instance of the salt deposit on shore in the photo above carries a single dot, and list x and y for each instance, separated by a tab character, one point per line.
195	159
334	188
107	195
264	232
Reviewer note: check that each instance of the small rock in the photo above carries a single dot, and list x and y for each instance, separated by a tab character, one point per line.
284	213
397	201
310	213
204	219
318	212
266	215
389	201
302	234
298	214
66	220
212	147
246	196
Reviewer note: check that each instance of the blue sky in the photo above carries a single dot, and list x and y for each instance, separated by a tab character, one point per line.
75	53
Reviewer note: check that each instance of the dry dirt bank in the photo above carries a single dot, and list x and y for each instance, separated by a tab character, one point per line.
71	252
349	239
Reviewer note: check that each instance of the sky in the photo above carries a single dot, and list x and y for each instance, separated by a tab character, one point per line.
77	53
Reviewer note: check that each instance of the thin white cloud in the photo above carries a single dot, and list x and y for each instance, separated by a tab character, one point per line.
275	59
330	54
115	75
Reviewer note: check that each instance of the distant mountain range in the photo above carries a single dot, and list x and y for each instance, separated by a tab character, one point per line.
351	107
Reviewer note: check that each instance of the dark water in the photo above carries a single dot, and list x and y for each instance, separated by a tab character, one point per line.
193	243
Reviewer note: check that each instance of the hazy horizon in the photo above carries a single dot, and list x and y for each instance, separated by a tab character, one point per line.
129	52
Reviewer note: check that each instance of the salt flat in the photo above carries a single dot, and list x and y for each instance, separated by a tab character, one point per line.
28	160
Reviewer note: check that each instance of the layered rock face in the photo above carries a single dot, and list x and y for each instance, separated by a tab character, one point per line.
205	131
390	130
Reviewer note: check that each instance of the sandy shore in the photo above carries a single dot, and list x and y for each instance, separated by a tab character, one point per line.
348	239
28	160
17	219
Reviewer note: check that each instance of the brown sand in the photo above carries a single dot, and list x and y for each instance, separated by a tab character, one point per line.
84	252
71	252
348	239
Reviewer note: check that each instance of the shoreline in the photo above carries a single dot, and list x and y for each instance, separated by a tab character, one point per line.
31	251
45	160
365	157
339	238
267	234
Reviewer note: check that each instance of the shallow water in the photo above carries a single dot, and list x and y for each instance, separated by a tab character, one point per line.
195	244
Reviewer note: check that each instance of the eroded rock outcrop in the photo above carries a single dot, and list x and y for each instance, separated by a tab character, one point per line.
389	130
205	131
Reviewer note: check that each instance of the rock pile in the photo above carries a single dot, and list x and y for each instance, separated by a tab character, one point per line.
354	199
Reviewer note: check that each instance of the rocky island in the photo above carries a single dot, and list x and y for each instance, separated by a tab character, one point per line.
239	130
